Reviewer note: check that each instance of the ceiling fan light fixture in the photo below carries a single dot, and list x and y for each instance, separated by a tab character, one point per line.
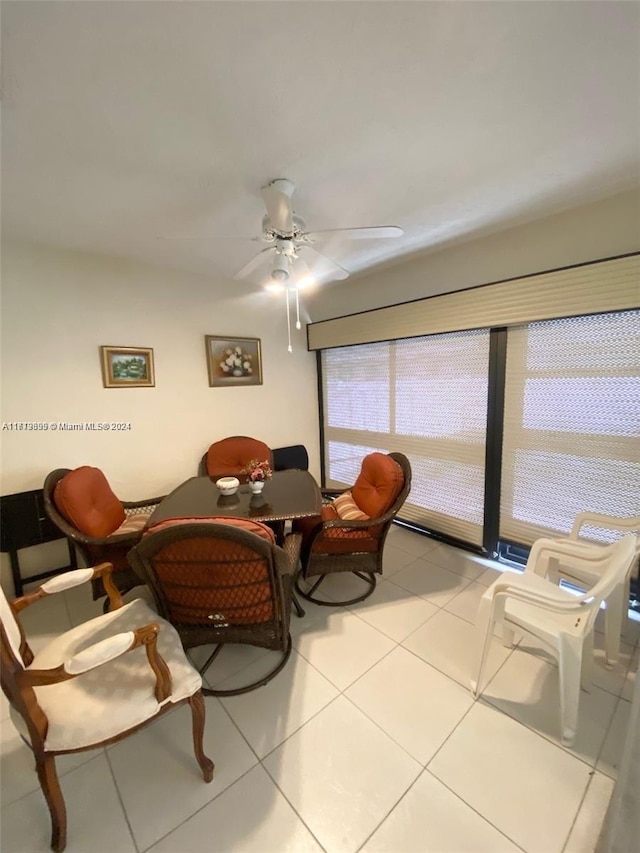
280	271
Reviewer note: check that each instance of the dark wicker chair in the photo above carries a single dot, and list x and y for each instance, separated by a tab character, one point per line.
220	583
332	545
293	457
227	457
99	549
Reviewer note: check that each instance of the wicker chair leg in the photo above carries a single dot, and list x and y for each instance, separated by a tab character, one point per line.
298	607
214	654
369	577
210	691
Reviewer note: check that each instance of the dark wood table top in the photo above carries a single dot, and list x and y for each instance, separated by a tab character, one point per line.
287	495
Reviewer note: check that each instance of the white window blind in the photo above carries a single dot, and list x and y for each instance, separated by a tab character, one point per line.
572	423
595	288
424	397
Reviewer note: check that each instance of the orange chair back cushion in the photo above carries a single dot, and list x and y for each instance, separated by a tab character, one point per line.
229	456
378	485
208	580
245	523
85	499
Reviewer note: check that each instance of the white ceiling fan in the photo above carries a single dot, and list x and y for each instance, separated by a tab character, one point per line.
291	246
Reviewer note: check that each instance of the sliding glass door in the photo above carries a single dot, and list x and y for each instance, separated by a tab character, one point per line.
570	426
425	397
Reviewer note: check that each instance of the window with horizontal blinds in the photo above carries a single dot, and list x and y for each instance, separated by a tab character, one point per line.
427	398
571	423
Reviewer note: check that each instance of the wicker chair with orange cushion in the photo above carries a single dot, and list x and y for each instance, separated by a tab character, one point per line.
221	581
227	457
102	528
349	536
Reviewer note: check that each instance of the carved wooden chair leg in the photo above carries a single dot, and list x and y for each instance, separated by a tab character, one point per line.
46	769
197	713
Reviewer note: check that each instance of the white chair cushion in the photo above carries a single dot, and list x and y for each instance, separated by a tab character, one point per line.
115	697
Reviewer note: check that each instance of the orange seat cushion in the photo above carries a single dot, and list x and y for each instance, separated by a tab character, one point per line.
229	456
378	485
85	499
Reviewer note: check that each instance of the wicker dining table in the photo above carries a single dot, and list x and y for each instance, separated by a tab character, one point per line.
286	496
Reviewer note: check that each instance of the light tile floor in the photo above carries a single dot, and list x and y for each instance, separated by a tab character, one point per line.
368	740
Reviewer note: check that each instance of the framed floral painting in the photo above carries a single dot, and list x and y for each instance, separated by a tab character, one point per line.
233	361
127	367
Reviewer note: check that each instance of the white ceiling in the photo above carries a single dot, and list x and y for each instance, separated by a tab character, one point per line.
128	122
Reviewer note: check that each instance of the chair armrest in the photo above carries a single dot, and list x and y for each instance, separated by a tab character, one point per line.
511	589
333	493
69	580
144	503
103	652
567	551
352	525
606	522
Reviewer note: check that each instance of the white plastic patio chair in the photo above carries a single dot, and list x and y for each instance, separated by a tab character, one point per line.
559	620
585	576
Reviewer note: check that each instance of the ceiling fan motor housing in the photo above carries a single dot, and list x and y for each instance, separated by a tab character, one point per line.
270	234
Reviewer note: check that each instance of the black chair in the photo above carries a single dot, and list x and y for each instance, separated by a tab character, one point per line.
293	457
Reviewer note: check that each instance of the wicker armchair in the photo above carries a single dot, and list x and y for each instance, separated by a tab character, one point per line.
94	684
354	543
101	527
227	457
220	582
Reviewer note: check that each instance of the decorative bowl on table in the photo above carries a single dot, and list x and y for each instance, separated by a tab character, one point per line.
228	485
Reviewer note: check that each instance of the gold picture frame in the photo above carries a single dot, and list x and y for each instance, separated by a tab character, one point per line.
127	367
233	361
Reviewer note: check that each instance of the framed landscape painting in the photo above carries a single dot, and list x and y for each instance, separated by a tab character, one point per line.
127	367
233	361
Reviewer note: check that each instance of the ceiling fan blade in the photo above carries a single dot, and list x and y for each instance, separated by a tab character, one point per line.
300	269
226	237
374	233
253	264
337	271
277	199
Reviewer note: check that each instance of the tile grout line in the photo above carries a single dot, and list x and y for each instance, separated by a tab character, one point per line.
121	801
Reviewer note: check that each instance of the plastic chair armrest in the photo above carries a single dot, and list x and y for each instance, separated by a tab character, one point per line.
568	551
509	589
606	522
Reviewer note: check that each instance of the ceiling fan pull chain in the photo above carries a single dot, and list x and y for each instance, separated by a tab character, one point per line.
298	326
289	348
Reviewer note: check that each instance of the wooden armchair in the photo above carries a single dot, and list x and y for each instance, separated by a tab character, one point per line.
101	527
94	684
350	534
221	581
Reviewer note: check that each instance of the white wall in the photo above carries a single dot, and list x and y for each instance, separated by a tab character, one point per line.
596	231
59	307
